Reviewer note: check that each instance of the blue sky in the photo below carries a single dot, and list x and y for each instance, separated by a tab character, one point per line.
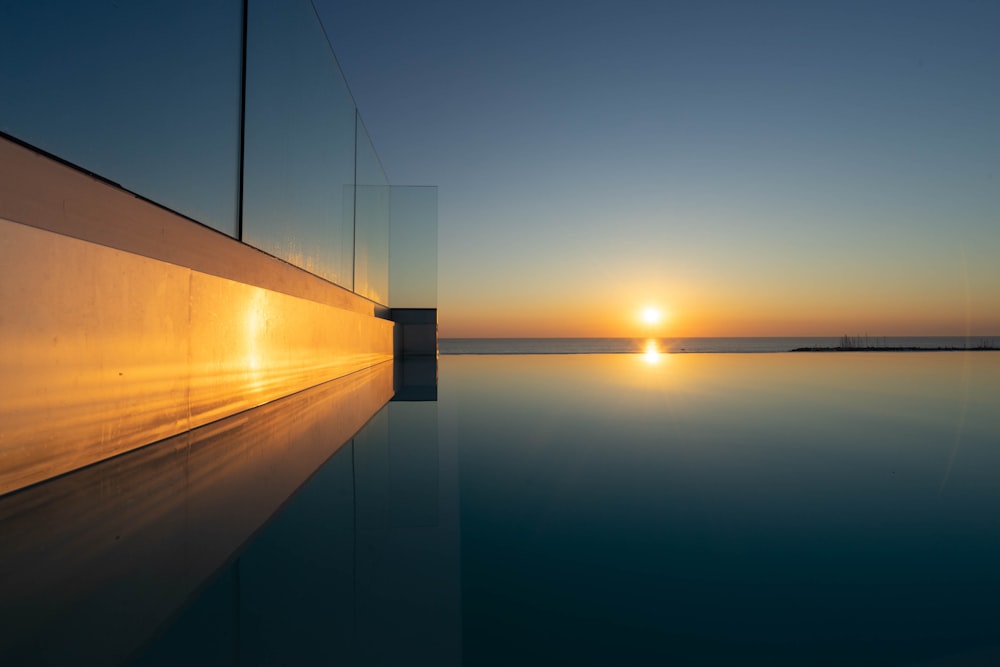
775	168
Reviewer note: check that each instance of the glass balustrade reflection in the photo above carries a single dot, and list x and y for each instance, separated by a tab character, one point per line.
146	95
371	223
413	247
298	199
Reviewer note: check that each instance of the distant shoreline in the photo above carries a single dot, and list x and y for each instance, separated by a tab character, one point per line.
896	349
712	345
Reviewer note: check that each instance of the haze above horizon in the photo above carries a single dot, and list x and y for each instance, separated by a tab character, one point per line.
750	169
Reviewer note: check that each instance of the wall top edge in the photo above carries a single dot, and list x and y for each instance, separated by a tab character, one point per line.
42	191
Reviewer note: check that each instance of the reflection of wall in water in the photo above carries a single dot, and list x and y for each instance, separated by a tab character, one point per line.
408	539
125	543
361	567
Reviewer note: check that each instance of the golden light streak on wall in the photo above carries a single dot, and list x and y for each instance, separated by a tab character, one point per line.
249	345
104	350
91	543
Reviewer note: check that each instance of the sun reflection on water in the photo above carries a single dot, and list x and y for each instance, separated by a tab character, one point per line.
651	353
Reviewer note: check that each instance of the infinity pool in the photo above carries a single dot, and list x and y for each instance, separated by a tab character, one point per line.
714	509
698	509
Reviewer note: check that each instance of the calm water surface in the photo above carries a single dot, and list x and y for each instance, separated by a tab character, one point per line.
744	509
682	345
739	509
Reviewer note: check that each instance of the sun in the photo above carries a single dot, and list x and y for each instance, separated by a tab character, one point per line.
651	315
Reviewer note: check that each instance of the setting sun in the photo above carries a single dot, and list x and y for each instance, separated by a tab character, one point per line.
652	315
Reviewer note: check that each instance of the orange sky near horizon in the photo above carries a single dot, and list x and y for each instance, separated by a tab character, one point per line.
810	306
583	324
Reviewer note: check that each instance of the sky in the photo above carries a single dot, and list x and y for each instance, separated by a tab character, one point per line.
749	168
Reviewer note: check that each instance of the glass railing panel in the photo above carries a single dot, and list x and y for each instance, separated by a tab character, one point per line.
371	223
413	247
146	95
298	194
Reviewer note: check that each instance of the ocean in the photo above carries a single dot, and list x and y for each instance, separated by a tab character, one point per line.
689	345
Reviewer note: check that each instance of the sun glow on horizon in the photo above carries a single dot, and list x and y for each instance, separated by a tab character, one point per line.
651	315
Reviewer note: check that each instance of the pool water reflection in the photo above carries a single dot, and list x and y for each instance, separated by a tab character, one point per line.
729	509
361	567
703	509
744	509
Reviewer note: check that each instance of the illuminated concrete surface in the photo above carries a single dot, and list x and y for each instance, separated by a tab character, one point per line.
105	351
123	323
92	563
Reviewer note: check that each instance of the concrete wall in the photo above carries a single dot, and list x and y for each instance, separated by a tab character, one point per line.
122	323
